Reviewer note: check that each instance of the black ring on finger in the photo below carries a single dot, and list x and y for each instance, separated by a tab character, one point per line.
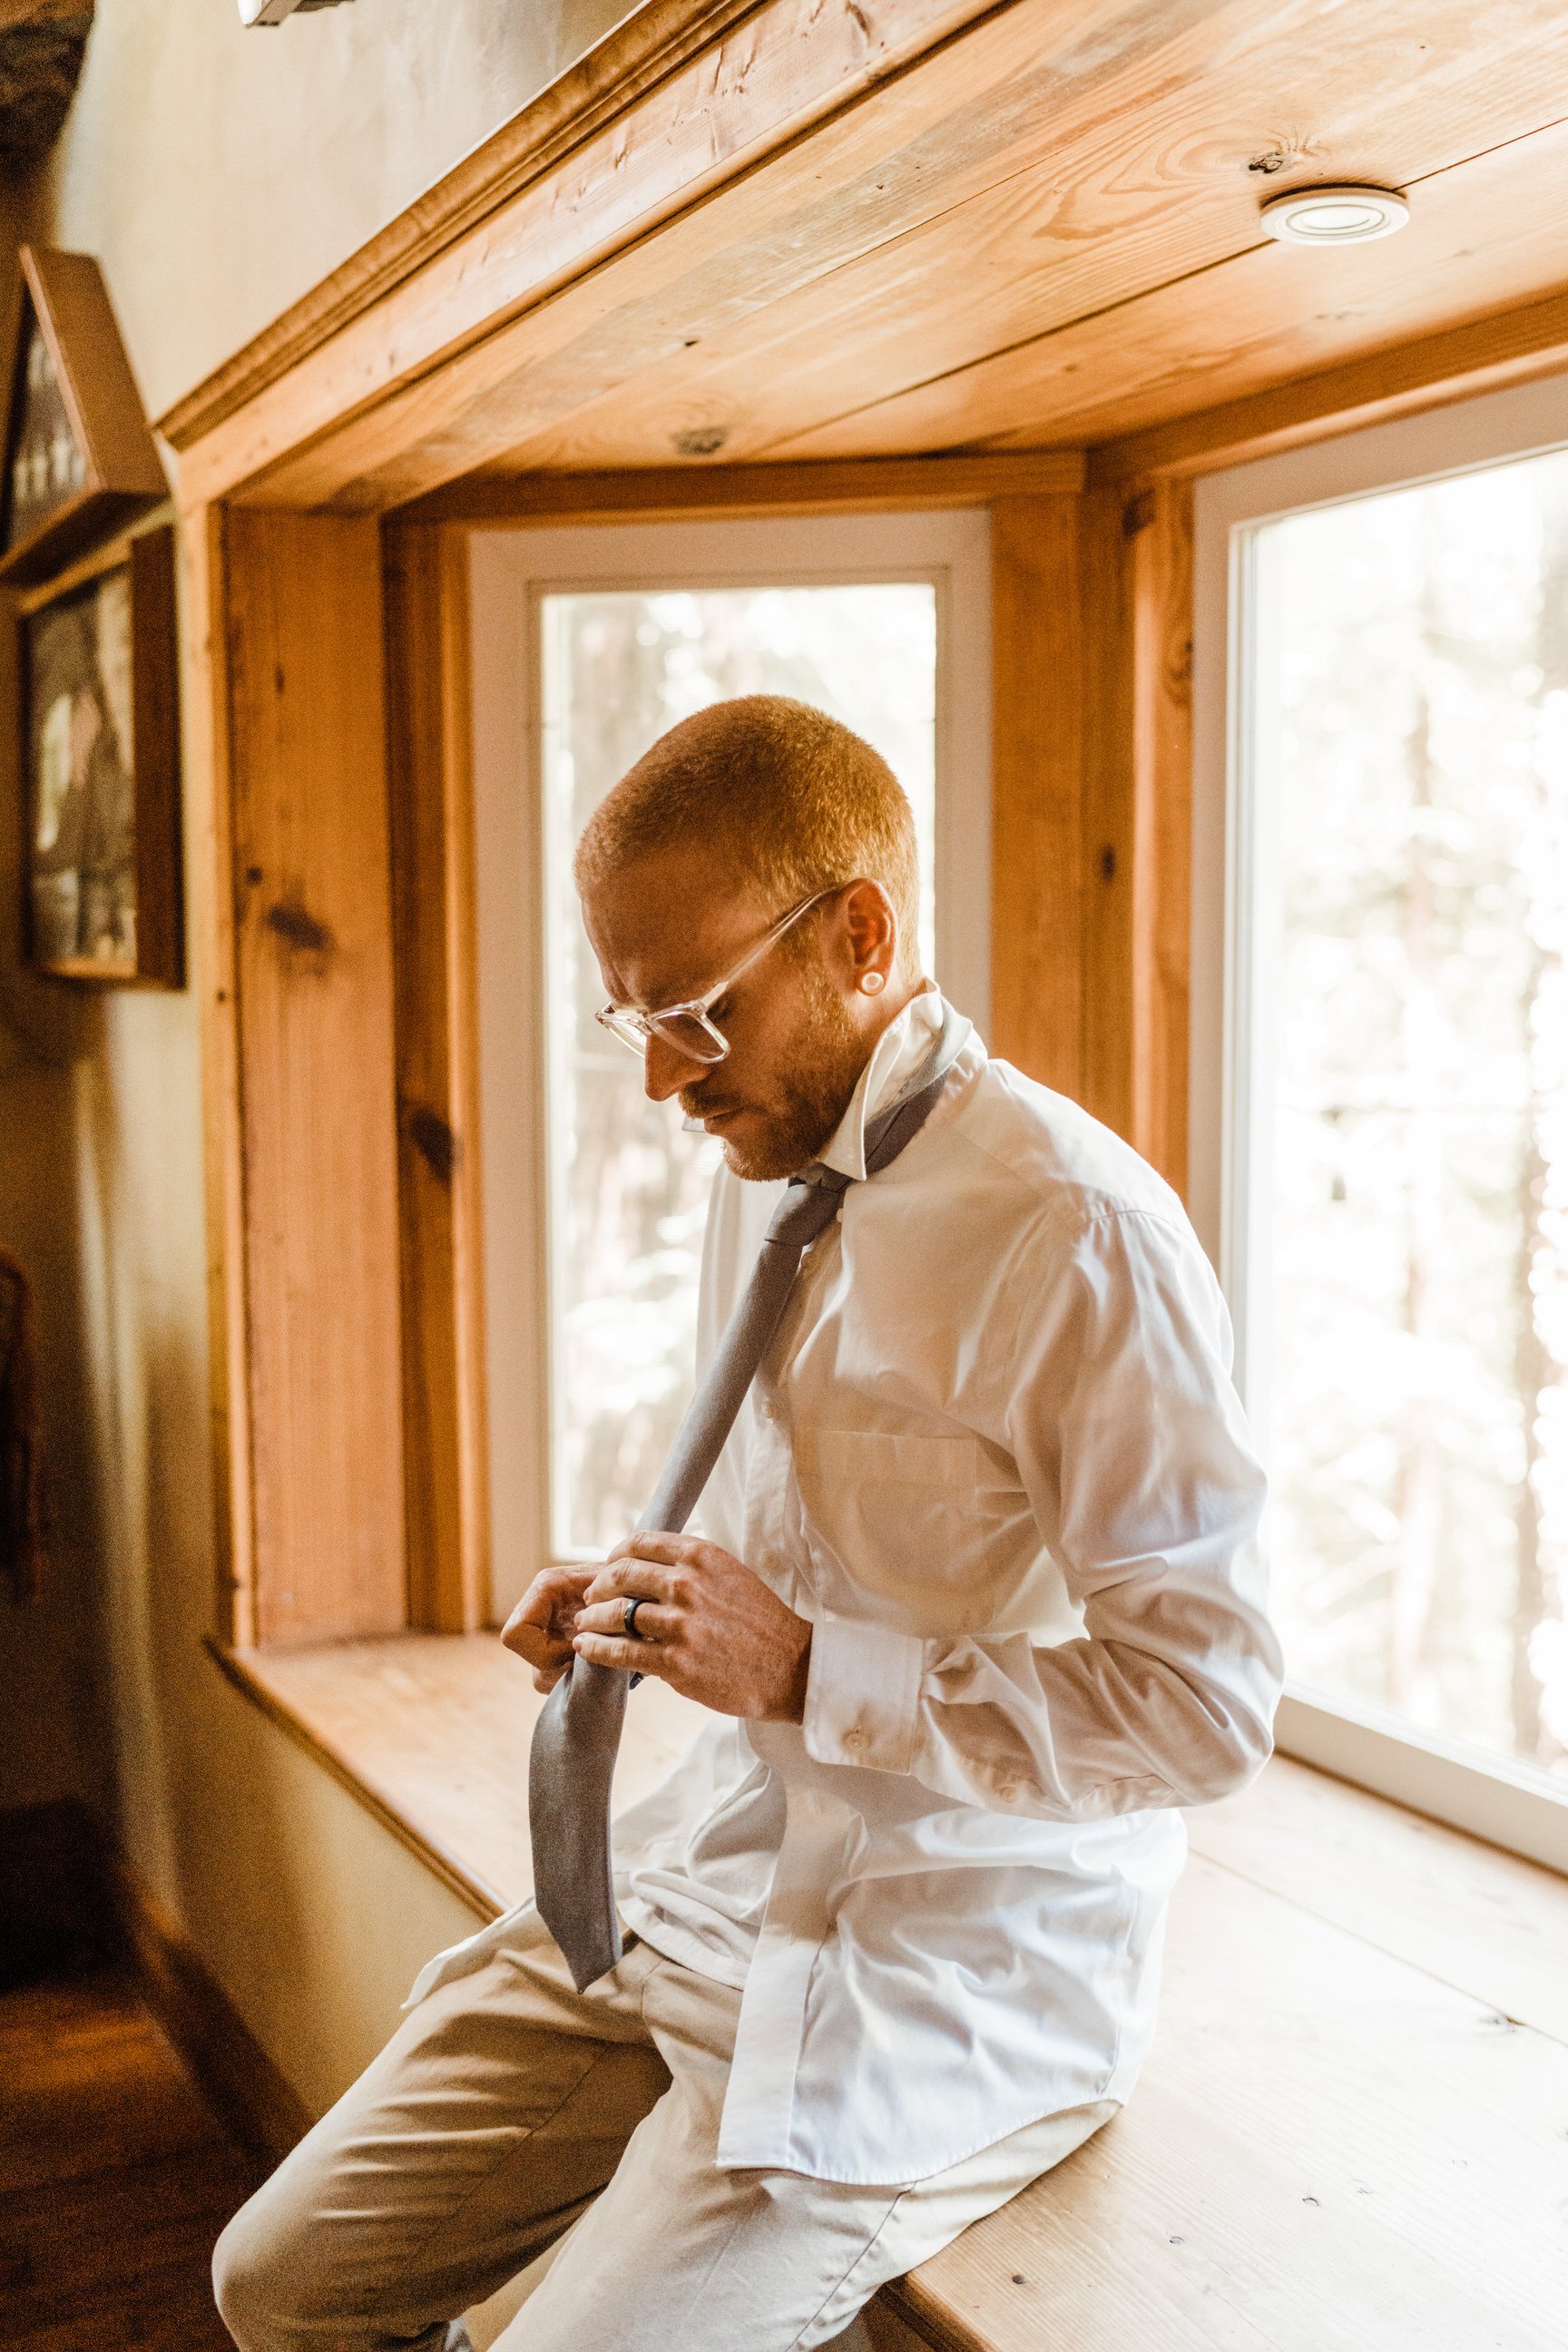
629	1618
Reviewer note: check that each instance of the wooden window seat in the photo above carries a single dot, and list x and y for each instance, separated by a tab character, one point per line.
1353	2131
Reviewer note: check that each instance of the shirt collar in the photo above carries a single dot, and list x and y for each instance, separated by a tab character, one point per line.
900	1049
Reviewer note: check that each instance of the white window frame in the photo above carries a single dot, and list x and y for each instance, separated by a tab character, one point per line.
511	570
1232	995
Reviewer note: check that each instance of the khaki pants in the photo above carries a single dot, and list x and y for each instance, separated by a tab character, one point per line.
507	2107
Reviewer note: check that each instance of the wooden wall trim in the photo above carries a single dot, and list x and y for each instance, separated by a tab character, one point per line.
1161	622
1092	813
1037	768
68	1899
1111	811
313	930
430	773
676	494
208	769
260	2106
1137	856
1508	347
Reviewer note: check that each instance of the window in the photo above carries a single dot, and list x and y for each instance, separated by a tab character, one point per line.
1389	1201
588	645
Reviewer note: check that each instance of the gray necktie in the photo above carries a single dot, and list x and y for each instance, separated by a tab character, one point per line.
579	1729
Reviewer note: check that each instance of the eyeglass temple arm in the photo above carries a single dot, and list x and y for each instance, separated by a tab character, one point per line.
701	1005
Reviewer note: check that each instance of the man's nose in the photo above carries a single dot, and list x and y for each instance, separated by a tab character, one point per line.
666	1070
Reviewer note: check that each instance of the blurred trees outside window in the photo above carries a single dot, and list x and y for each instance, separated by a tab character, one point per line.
1411	715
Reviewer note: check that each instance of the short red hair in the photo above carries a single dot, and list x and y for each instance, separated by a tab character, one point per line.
801	801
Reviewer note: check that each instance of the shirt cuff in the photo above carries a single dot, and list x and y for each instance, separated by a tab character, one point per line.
862	1694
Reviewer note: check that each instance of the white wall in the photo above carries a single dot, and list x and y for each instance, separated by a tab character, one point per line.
217	174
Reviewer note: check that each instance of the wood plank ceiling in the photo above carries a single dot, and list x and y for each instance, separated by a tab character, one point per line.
1046	232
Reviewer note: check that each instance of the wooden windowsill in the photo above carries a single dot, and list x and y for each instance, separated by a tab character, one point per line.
1352	2127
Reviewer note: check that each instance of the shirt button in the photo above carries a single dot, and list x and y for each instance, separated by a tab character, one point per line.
1008	1794
854	1738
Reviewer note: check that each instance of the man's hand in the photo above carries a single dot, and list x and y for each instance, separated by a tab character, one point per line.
709	1628
540	1627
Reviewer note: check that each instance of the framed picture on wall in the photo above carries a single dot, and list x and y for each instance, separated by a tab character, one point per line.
79	458
100	762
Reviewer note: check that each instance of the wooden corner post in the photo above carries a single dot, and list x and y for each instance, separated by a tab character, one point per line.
1091	603
309	1095
430	775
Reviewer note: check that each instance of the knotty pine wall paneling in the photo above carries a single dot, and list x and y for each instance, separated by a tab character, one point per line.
1036	769
429	774
313	966
1091	651
209	781
1110	813
1136	586
1161	545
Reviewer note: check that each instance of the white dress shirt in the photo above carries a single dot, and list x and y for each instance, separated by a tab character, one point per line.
994	1456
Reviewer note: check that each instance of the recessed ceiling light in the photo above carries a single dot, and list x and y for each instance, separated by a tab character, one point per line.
1339	215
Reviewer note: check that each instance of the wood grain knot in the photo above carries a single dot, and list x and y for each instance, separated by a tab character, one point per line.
297	928
434	1140
1137	514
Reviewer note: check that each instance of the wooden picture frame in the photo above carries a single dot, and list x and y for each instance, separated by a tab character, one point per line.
80	459
99	662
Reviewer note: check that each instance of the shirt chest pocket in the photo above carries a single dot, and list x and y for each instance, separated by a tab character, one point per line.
924	1523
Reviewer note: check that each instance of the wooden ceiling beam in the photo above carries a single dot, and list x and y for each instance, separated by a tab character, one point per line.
1267	315
1486	354
704	208
394	401
675	493
1089	202
651	44
835	229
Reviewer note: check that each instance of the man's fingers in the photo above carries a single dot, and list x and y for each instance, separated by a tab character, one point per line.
632	1578
553	1591
655	1623
539	1627
536	1645
651	1545
635	1657
539	1603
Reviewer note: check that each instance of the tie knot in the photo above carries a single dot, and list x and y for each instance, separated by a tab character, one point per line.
808	1207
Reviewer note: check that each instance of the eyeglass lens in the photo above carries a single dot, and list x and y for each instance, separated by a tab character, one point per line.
691	1035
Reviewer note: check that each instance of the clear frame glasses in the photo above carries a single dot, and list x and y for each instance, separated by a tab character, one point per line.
687	1027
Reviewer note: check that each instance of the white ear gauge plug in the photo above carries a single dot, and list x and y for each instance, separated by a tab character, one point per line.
871	983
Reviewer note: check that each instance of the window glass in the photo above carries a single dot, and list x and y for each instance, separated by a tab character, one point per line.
1410	726
629	1185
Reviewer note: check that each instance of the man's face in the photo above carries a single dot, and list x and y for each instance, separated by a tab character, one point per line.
800	1031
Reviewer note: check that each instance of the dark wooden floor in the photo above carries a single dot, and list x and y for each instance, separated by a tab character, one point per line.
115	2178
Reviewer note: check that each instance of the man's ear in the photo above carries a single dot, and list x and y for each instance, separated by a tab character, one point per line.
871	929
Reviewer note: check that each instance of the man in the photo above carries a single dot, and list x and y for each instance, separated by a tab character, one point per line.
975	1609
